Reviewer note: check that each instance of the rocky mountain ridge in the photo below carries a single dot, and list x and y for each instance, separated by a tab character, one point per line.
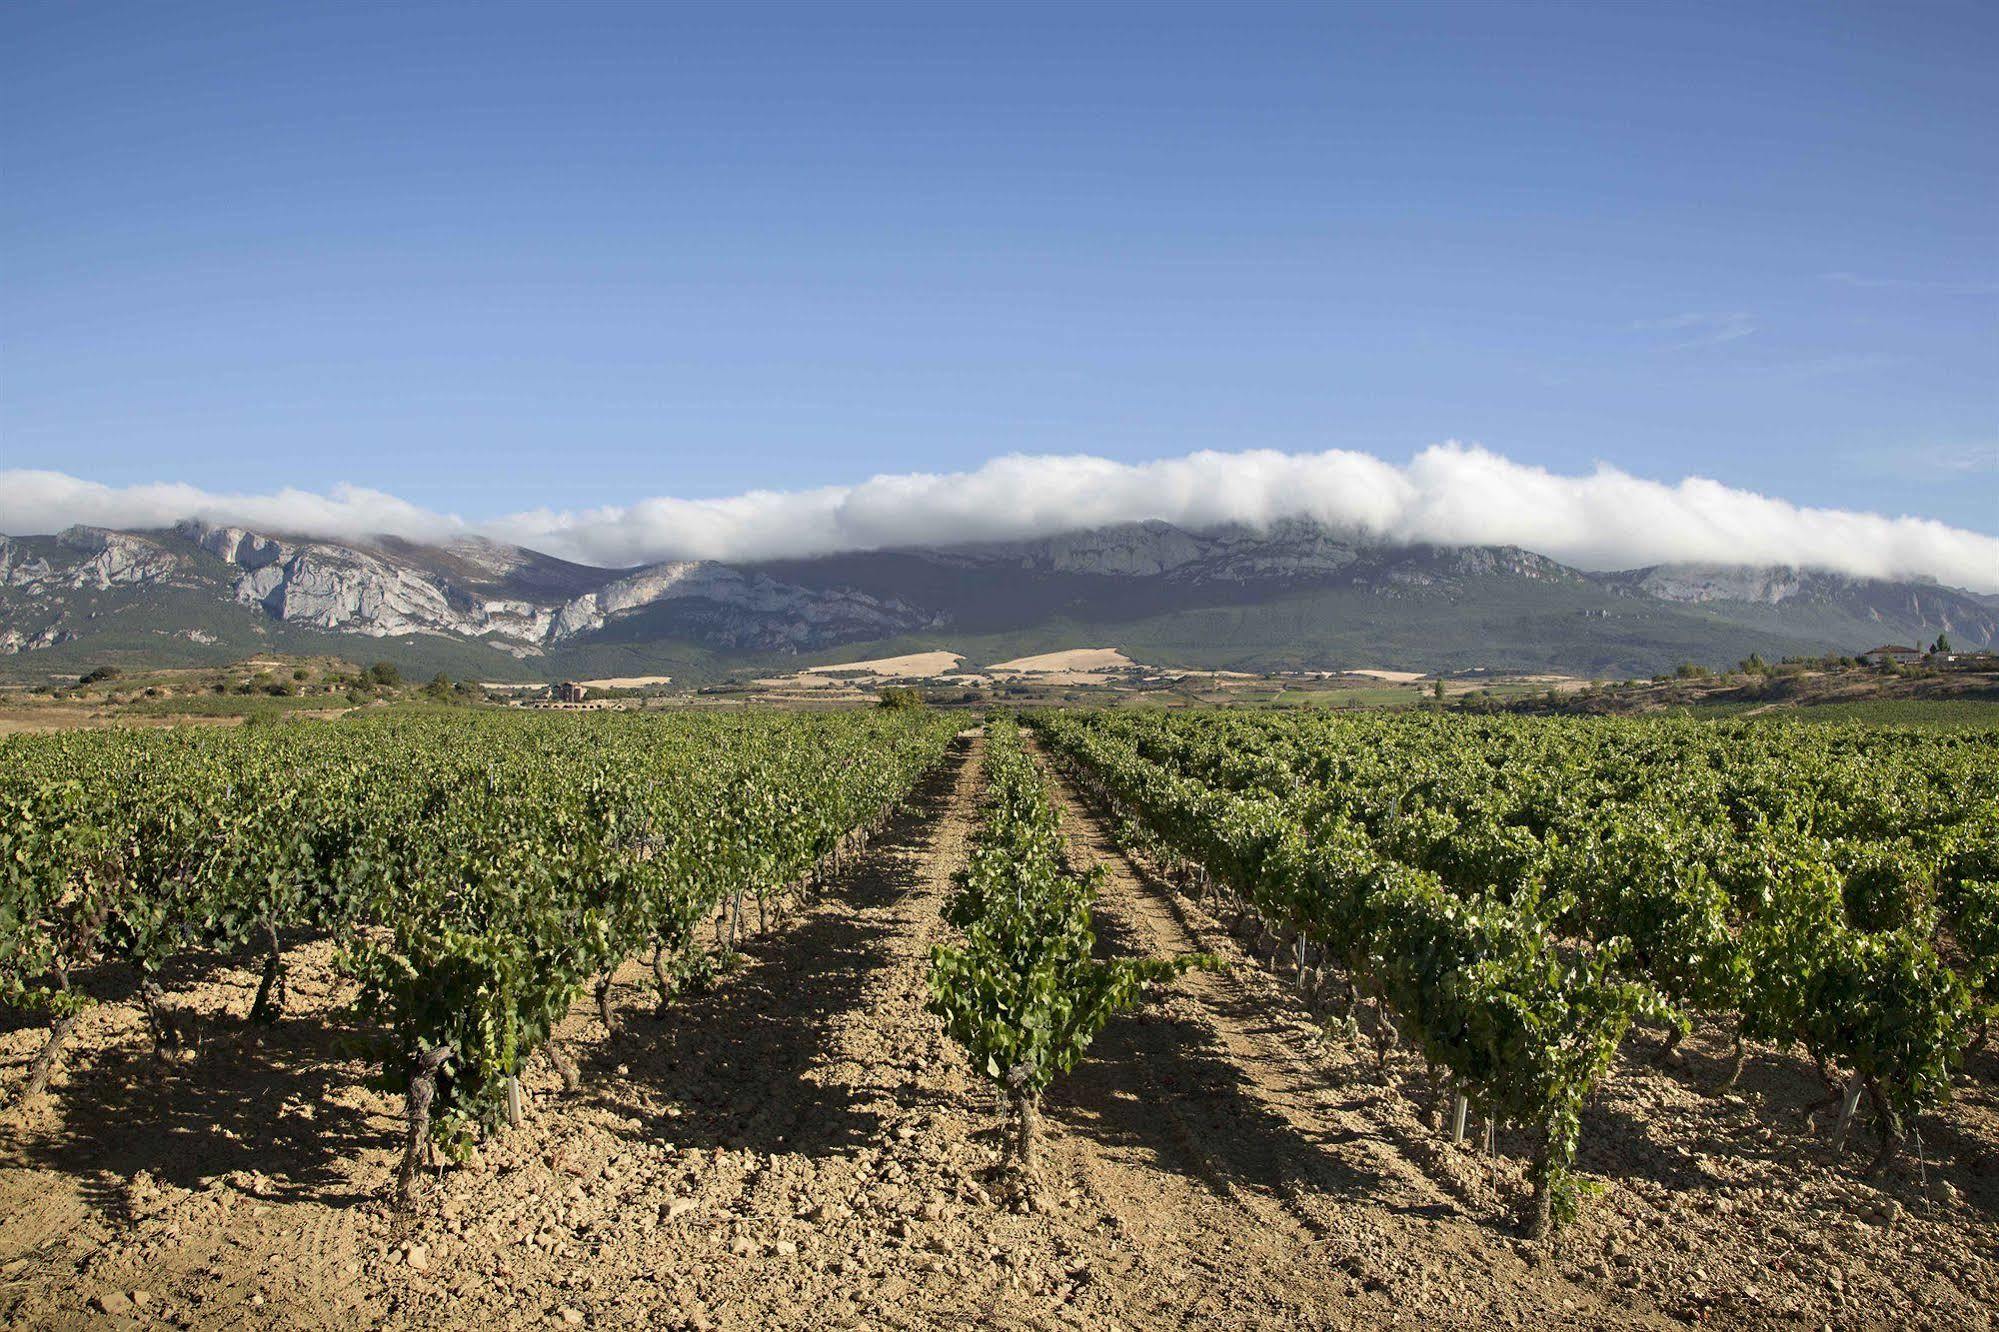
1287	551
1294	593
470	589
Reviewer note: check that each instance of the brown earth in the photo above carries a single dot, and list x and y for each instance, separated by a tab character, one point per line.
14	721
801	1147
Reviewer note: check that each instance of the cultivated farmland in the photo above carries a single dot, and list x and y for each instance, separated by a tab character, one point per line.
1133	1019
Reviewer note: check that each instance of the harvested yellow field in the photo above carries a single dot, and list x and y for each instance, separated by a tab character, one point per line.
911	665
1072	660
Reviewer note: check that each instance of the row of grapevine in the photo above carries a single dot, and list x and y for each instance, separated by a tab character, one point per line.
478	873
1524	1026
1748	871
1021	991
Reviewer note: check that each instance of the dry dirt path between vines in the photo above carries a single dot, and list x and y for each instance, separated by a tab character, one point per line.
1228	1091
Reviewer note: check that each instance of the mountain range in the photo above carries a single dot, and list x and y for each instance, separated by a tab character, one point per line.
1295	595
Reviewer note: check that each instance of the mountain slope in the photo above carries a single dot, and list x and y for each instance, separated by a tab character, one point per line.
1296	595
1831	607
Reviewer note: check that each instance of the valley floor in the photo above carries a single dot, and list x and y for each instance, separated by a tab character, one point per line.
800	1147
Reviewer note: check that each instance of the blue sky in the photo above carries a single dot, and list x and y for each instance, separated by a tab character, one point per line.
490	257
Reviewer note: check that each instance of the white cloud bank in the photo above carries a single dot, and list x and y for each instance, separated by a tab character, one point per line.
1448	494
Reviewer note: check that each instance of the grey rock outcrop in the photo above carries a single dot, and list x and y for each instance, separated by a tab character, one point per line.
1697	583
109	558
384	591
742	610
235	545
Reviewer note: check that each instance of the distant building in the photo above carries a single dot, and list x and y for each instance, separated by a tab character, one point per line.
570	692
1894	652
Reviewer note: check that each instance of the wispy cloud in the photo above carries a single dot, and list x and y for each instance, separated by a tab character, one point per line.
1834	365
1450	494
1955	464
1972	458
1947	288
1951	462
1698	328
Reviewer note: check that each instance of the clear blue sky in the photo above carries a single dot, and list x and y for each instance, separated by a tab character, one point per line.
486	257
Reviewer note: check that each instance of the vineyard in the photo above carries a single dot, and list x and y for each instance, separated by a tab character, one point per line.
1239	1019
478	878
1513	900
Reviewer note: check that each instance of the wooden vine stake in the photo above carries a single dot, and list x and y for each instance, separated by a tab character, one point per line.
1846	1108
605	1013
270	1000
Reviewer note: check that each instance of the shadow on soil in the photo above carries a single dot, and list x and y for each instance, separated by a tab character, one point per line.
234	1104
1164	1086
1776	1089
735	1060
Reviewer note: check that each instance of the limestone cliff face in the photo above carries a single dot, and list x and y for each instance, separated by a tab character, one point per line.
20	566
24	640
382	592
1156	550
1698	583
1907	609
55	590
332	587
742	610
234	545
1293	550
86	557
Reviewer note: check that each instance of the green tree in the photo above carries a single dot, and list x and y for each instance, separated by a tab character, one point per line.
385	674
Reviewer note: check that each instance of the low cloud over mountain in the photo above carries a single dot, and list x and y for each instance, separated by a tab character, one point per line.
1449	494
